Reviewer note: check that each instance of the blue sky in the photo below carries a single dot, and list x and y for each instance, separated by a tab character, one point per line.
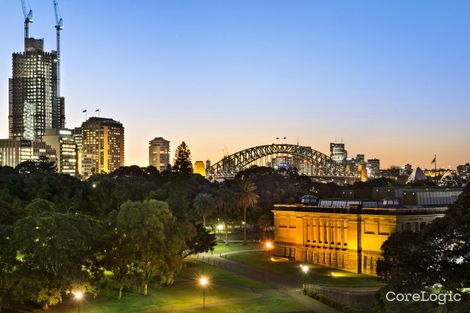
389	78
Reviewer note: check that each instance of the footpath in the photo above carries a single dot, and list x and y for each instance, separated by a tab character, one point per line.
284	286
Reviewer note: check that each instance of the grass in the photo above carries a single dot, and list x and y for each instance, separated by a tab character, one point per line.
238	235
235	246
317	274
227	292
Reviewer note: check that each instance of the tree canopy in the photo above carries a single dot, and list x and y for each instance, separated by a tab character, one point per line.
437	259
182	161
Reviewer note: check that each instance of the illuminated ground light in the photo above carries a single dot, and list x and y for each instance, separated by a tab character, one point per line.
279	259
339	274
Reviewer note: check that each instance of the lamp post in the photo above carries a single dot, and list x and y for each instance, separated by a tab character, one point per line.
78	295
203	282
268	245
305	271
220	227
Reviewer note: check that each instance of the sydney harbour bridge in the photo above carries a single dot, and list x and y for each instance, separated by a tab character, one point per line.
308	162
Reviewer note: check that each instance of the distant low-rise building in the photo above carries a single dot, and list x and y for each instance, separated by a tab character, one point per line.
14	152
338	152
464	171
373	167
282	162
406	170
208	167
199	168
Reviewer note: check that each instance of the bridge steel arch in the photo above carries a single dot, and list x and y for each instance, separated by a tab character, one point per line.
324	166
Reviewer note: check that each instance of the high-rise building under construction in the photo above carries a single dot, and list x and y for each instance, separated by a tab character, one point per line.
34	100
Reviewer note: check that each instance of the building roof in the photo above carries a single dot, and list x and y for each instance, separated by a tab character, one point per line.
358	209
93	121
158	139
416	175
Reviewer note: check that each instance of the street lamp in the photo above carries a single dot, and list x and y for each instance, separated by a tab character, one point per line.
203	282
220	227
78	295
305	269
268	245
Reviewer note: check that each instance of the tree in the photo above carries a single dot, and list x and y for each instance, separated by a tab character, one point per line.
264	222
204	204
273	187
437	256
10	282
227	207
119	256
55	248
42	165
201	242
182	162
247	198
150	227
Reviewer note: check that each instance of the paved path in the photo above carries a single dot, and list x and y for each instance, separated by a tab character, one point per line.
280	285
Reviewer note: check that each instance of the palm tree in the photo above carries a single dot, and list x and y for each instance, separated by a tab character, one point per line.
227	205
247	198
204	204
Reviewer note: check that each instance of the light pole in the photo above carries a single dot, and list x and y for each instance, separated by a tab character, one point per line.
305	271
220	227
203	282
268	245
78	296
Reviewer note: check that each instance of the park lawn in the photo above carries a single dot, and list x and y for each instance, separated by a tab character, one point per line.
235	246
238	236
226	290
317	275
184	294
272	304
219	276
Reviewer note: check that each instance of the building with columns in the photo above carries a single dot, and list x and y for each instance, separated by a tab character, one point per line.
347	234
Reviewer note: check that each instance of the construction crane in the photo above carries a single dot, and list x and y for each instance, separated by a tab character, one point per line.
59	25
28	17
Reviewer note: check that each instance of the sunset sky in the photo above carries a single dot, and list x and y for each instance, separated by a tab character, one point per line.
390	79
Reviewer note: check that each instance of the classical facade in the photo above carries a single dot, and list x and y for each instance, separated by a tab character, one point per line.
343	234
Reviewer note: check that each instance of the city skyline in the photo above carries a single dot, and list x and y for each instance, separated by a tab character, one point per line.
283	64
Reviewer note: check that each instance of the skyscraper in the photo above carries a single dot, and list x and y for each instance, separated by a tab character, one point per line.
34	102
102	146
62	141
159	153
